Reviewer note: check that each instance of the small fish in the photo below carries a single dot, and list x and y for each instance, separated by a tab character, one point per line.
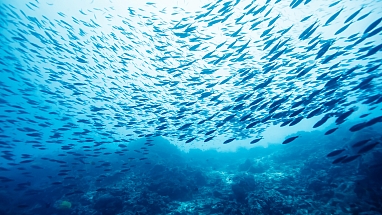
296	121
343	116
321	121
277	55
190	140
229	140
367	148
285	123
372	25
229	118
334	3
309	31
360	143
295	3
208	139
350	158
305	18
185	126
210	132
274	20
373	121
297	112
331	57
256	140
353	15
252	124
245	117
331	131
314	112
338	160
324	49
290	139
364	16
236	32
371	51
342	29
333	17
335	152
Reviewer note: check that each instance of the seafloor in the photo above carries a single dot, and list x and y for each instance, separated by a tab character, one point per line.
296	178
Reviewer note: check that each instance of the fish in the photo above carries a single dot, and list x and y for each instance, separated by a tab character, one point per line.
330	131
360	143
290	139
333	56
256	140
338	160
208	139
277	55
363	125
343	116
350	158
372	25
296	121
321	121
335	152
88	88
274	20
305	18
252	124
334	3
308	31
210	132
245	117
364	115
373	121
229	140
285	123
371	51
333	17
324	48
185	126
367	148
295	3
314	112
339	31
373	33
353	15
190	140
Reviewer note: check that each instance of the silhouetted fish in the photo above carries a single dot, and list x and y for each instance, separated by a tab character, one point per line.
290	139
229	140
256	140
335	152
339	160
360	143
330	131
350	158
367	148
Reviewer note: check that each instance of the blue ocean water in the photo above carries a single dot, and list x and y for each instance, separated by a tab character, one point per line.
190	107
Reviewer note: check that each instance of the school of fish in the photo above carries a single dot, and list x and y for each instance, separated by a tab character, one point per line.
96	84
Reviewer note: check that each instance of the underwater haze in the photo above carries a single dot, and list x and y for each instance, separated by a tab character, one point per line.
238	107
